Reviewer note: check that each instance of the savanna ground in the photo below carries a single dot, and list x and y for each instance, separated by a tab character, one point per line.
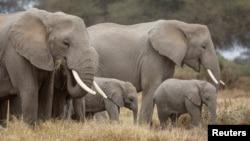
232	108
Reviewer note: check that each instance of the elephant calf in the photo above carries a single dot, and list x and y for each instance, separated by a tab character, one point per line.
119	93
175	97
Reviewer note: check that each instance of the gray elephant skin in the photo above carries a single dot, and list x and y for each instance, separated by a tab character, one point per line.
31	42
119	93
175	97
145	54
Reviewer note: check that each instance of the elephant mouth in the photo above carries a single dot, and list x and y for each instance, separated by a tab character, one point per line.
61	62
196	66
85	87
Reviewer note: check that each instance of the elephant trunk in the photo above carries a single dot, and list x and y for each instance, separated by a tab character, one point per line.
74	89
79	109
135	112
83	70
211	63
212	110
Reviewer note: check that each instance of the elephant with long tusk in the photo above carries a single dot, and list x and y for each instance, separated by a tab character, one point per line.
146	54
86	88
30	43
67	84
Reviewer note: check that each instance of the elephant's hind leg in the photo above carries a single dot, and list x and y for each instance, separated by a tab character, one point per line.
174	119
163	117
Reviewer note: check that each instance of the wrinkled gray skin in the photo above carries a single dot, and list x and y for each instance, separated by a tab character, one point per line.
119	93
30	43
145	54
175	97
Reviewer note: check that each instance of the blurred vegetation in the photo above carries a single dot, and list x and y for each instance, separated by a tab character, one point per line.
233	108
227	20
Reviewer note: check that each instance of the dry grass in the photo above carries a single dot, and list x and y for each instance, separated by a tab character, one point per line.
233	108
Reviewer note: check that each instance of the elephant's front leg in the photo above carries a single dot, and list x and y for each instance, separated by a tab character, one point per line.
153	73
113	110
146	111
46	96
23	77
29	98
194	111
79	108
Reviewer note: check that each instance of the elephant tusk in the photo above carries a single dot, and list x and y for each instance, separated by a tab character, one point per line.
99	90
82	84
223	83
212	76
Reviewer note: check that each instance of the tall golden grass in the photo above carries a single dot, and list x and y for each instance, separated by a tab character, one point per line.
233	108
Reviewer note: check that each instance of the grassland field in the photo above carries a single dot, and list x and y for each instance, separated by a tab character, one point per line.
232	108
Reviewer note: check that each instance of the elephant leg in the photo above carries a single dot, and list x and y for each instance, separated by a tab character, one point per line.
194	111
58	105
174	119
23	76
3	112
163	117
46	97
16	107
79	108
68	109
28	93
113	110
29	98
163	68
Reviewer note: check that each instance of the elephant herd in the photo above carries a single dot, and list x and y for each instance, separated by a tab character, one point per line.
52	65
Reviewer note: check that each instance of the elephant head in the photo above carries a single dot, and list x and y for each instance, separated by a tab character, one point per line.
205	93
43	38
122	94
189	44
130	99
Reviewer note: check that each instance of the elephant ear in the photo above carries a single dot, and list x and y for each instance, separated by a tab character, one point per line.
169	40
114	92
28	36
194	97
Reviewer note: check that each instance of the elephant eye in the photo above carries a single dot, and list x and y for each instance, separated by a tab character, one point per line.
204	47
131	99
66	43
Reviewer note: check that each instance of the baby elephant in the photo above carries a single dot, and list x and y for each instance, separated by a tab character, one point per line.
175	97
119	93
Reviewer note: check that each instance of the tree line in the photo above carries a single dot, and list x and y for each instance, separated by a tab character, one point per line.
227	20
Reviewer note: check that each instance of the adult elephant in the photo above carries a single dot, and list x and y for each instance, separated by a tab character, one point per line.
145	54
30	43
